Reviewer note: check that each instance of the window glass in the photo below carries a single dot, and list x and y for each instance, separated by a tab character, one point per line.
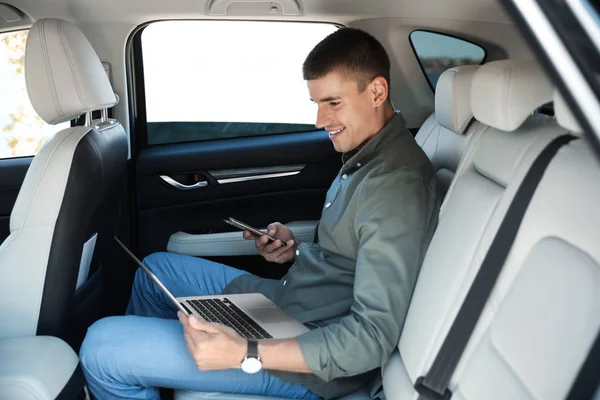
22	131
437	52
221	79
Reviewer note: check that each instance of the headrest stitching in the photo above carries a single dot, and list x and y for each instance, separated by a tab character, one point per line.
68	54
506	92
454	101
48	67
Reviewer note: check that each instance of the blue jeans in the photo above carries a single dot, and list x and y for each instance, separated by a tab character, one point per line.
129	357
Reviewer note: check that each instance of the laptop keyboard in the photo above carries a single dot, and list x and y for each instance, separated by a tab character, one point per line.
225	312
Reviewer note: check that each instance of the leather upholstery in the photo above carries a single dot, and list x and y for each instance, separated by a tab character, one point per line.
35	368
64	76
504	93
564	116
70	193
444	136
543	313
453	108
24	254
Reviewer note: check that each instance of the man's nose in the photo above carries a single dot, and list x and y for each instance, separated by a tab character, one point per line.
323	119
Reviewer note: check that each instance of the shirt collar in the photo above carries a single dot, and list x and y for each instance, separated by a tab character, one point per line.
369	149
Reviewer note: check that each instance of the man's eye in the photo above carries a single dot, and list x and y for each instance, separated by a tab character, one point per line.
334	103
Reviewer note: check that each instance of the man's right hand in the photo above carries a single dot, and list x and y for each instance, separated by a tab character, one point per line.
275	251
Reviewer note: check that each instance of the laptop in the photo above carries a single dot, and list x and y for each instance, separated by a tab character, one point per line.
252	315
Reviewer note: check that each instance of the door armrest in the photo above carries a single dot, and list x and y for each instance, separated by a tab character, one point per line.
230	243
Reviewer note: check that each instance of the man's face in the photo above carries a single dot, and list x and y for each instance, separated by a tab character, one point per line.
346	113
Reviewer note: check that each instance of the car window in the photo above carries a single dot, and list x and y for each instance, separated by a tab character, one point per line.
437	52
22	131
207	80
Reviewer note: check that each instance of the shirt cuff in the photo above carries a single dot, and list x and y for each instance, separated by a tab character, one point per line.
314	351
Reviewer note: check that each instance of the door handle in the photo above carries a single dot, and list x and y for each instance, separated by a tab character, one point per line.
180	186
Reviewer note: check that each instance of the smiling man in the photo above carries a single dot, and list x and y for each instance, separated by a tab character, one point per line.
351	287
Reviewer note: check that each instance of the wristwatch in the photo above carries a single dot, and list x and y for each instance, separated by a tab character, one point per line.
251	363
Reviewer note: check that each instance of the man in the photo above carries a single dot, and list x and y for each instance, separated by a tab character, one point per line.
351	288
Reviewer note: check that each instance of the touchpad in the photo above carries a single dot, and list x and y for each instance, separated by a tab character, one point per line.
269	315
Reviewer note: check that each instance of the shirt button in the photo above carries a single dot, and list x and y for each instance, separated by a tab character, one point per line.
284	282
297	252
359	165
327	205
344	176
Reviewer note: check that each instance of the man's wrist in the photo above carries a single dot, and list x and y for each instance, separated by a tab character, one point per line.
252	363
243	351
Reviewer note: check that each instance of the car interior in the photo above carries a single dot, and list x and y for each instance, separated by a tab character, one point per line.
154	121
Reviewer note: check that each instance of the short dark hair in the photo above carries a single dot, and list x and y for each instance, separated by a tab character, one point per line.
352	52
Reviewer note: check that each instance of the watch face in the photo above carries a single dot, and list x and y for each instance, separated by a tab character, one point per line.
251	365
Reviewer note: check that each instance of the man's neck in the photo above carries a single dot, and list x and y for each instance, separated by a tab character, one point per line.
385	117
388	114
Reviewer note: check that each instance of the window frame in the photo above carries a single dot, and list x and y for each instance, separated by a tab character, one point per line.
30	156
412	46
134	66
2	33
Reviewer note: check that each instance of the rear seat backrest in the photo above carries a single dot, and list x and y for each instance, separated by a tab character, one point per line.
444	135
543	315
506	93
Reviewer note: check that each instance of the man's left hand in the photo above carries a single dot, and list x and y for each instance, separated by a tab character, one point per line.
212	346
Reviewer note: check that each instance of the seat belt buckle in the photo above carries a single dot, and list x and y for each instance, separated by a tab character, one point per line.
426	393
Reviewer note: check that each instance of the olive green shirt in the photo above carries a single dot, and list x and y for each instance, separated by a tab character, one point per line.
353	287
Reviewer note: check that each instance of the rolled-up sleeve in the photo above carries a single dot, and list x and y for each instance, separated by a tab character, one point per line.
392	219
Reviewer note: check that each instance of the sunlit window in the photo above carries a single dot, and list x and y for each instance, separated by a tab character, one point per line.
217	79
22	131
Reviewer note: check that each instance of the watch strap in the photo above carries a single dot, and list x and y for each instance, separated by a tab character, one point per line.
252	349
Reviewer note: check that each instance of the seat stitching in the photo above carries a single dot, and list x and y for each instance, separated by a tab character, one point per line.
509	366
68	54
42	171
48	67
505	94
454	102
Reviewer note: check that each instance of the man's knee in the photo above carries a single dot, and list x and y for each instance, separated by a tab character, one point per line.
156	262
96	351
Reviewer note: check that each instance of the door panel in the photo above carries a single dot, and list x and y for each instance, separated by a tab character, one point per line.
12	174
164	210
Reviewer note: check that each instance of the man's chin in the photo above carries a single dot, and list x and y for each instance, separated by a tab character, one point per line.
340	148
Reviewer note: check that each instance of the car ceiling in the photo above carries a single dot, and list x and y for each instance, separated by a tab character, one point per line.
341	11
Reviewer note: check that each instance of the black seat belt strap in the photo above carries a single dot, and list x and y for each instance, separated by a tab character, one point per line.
434	386
588	378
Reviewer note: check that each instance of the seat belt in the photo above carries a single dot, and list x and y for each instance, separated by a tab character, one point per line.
588	378
434	386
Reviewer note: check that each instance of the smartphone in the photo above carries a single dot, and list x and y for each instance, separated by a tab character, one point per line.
246	227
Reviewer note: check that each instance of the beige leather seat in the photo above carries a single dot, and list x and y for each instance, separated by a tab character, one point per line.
61	226
444	136
543	314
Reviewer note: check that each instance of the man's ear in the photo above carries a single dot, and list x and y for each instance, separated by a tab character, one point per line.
379	89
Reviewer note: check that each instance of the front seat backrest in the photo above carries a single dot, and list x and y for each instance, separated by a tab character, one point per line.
445	134
66	210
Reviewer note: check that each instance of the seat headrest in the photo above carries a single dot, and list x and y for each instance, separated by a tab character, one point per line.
453	98
504	93
563	115
64	76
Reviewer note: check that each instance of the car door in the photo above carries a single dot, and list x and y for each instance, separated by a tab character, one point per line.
226	130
